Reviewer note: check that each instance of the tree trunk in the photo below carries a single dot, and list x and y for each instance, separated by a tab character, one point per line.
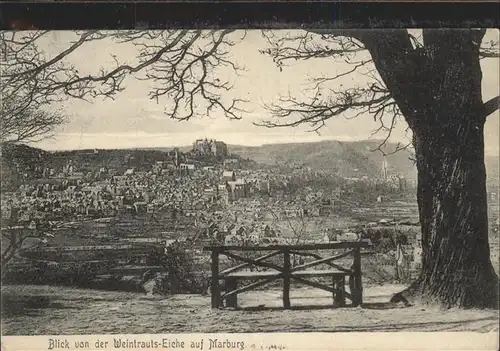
456	267
449	146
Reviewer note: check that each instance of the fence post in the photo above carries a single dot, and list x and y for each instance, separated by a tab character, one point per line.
339	295
173	282
231	285
172	267
215	290
357	293
286	279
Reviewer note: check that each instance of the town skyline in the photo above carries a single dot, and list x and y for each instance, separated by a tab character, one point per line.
188	144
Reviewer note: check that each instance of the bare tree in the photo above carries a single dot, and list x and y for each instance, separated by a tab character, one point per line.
435	85
28	125
300	226
15	236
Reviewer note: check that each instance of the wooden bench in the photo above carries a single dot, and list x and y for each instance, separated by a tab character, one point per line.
232	276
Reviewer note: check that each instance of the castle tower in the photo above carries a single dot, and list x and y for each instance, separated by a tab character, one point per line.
177	159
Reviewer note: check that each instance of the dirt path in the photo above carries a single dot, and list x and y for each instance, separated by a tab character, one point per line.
42	310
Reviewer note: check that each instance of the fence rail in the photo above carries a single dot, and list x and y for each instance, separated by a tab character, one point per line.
286	271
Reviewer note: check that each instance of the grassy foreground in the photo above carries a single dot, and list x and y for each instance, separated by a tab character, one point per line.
45	310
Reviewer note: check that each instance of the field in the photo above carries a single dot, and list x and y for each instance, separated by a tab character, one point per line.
42	310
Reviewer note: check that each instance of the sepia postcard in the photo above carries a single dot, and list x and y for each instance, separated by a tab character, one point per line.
227	189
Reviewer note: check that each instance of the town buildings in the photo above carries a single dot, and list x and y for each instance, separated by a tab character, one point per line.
184	194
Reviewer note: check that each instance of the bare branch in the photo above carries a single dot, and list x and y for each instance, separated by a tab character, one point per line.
308	45
327	102
183	65
491	105
490	49
28	125
289	112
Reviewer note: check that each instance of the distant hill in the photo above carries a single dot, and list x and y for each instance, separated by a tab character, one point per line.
348	158
17	161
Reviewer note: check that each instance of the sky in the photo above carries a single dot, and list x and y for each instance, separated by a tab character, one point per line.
133	120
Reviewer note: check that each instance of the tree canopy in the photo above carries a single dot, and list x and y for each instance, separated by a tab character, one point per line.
183	67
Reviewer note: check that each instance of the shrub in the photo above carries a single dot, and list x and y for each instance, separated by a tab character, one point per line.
183	273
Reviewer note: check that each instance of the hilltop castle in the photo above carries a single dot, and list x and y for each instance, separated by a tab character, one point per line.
210	147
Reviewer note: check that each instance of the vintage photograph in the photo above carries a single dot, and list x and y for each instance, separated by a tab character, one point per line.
248	181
